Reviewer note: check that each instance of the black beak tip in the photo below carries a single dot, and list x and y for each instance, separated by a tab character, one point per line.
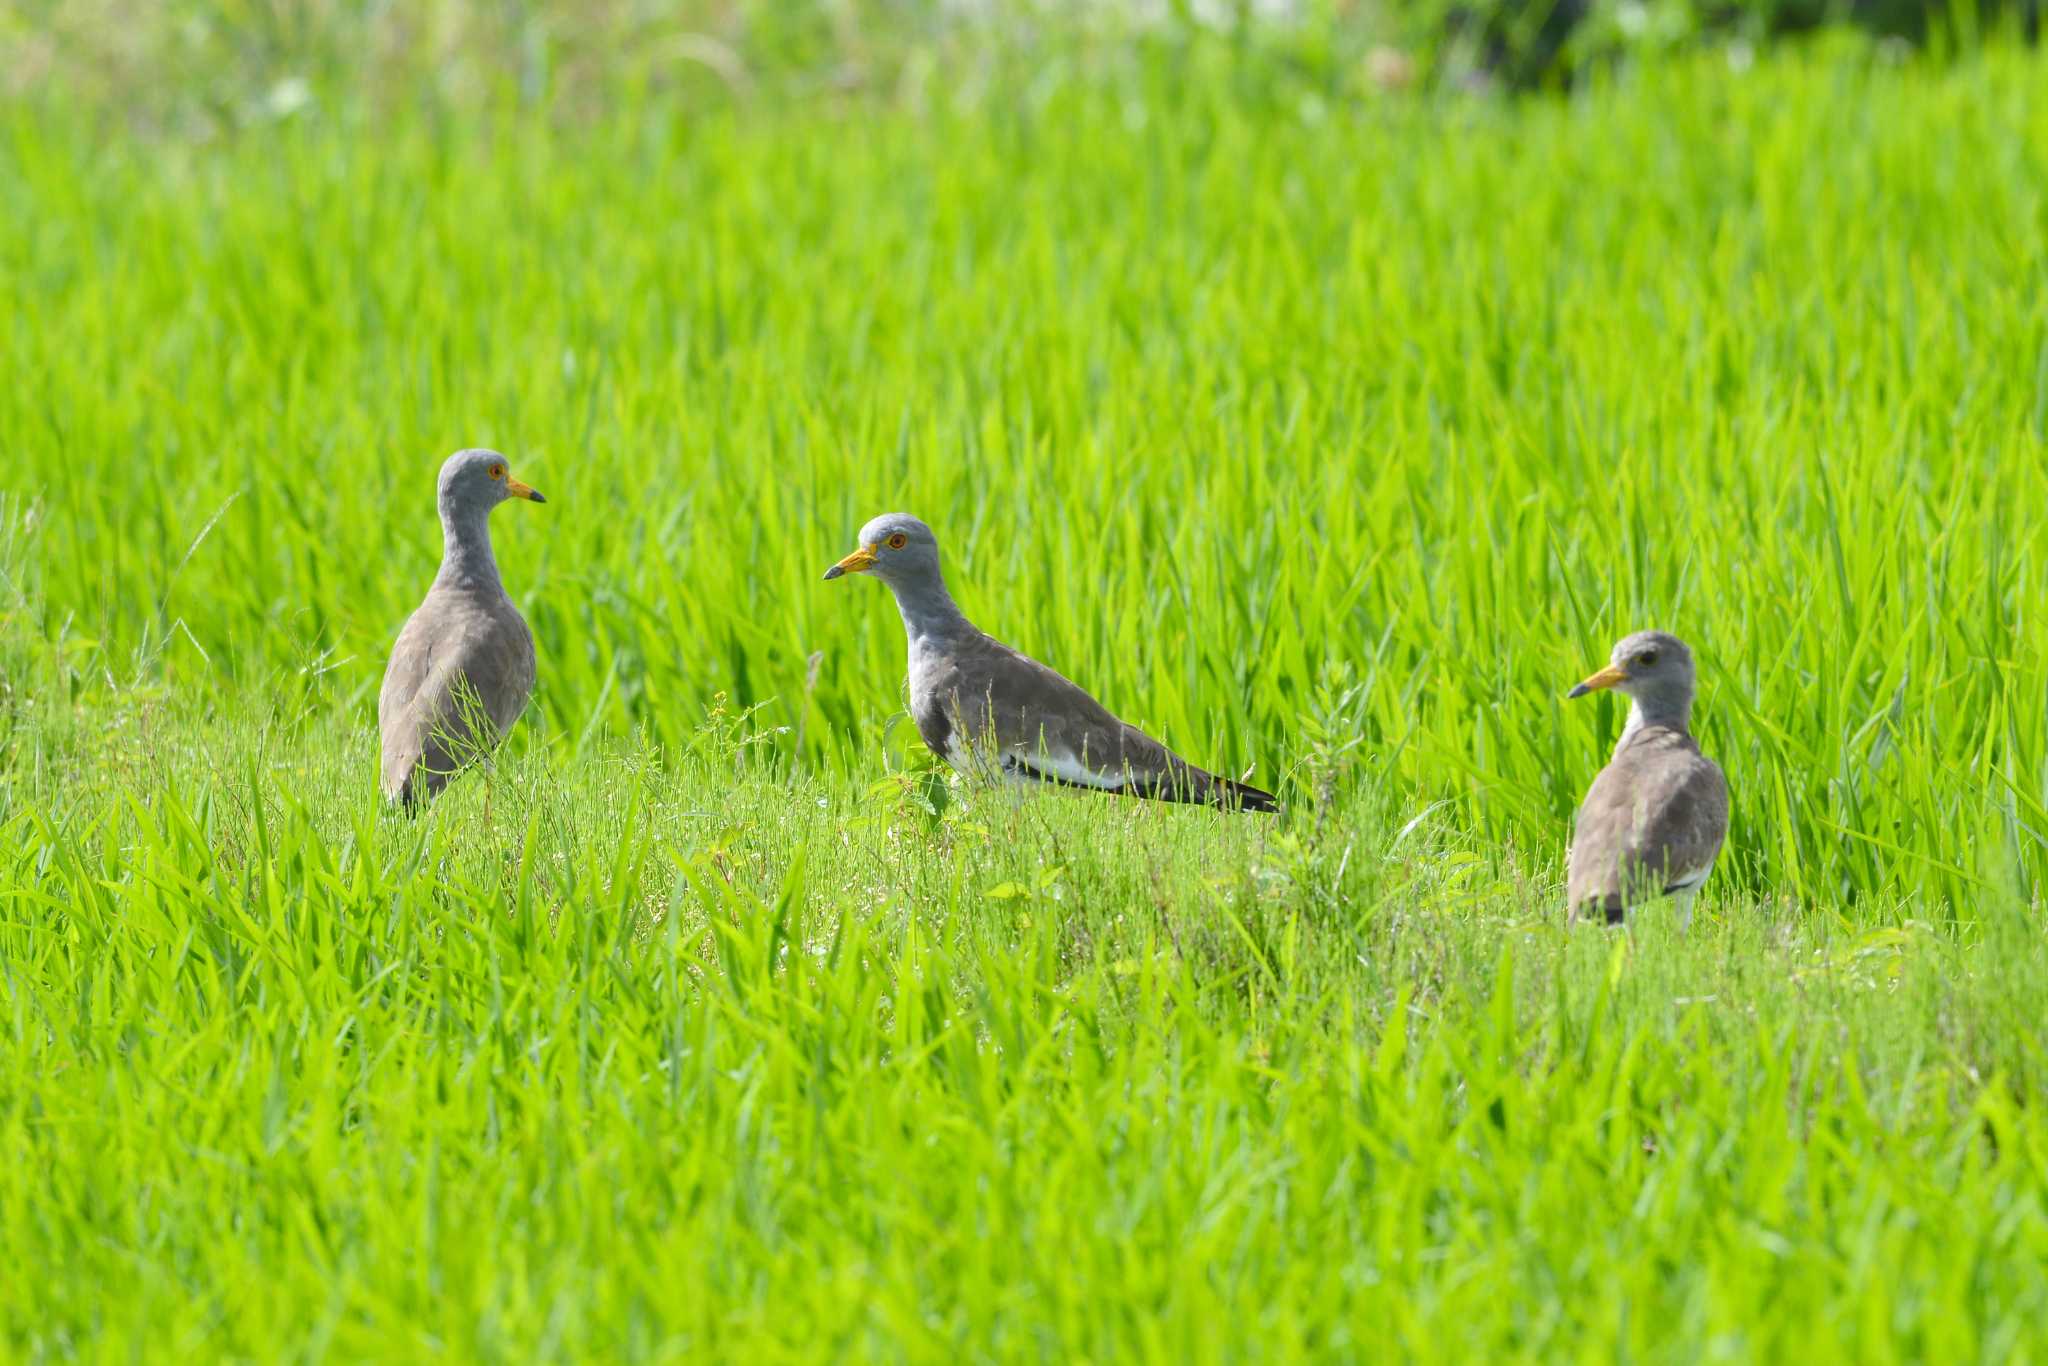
536	496
834	572
1580	691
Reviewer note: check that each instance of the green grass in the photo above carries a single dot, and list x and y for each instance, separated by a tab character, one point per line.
1330	438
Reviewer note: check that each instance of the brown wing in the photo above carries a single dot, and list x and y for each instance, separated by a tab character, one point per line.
449	647
1652	823
1036	723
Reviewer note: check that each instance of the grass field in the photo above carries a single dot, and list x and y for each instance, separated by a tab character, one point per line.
1328	436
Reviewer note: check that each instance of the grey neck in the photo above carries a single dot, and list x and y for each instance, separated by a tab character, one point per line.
1668	711
466	559
928	609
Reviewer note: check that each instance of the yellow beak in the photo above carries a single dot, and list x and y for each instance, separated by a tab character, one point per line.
1606	678
526	491
864	558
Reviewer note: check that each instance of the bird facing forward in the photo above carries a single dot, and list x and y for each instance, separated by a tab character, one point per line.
1654	819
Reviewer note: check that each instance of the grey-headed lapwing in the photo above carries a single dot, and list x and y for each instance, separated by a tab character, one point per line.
982	706
463	666
1653	821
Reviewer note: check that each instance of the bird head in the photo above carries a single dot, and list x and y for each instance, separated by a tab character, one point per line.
475	481
1648	666
896	548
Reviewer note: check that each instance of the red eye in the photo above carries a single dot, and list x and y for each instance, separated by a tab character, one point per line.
497	471
898	541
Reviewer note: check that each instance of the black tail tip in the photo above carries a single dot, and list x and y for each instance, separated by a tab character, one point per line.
1251	798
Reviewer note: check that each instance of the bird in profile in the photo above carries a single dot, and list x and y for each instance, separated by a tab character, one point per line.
983	707
462	669
1653	821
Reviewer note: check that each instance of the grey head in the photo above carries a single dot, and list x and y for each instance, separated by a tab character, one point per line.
473	482
1654	669
902	552
896	548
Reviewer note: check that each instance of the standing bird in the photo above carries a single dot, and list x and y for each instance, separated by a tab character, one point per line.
979	704
462	669
1654	819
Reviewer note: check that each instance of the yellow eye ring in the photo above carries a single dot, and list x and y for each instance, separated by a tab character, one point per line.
898	541
497	471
